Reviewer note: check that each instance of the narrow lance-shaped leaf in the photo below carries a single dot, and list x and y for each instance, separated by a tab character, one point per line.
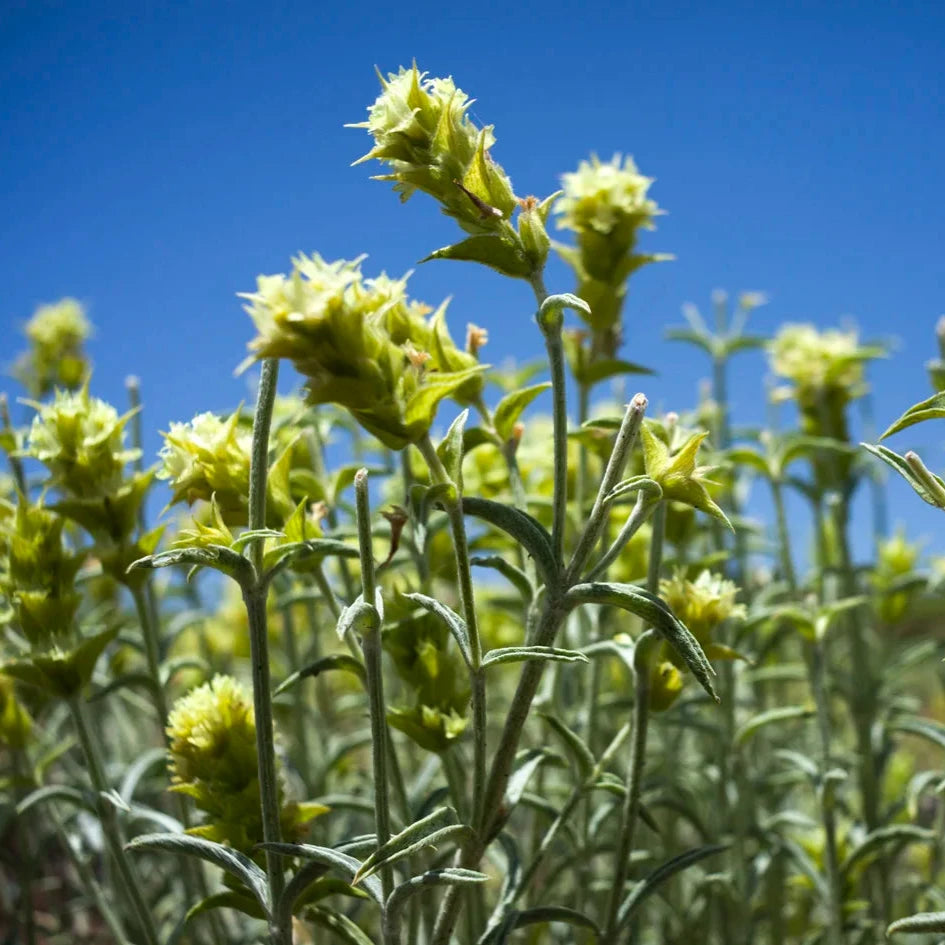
510	408
929	487
234	862
336	661
455	623
348	866
527	531
771	717
922	923
450	449
931	409
882	836
518	654
514	575
660	875
654	612
449	876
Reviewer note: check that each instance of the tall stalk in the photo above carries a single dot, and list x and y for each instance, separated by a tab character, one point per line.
131	883
254	597
371	644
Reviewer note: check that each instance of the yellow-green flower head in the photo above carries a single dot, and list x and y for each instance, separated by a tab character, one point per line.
607	197
37	575
422	132
703	604
56	334
212	733
209	457
677	474
361	344
818	364
212	758
607	205
81	440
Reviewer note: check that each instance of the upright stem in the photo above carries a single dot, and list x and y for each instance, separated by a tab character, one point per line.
784	538
255	599
642	655
151	651
550	326
815	664
477	677
16	467
110	827
371	644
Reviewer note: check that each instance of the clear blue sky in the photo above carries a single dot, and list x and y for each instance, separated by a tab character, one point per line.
156	157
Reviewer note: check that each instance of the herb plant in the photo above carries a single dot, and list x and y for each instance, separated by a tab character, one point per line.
402	673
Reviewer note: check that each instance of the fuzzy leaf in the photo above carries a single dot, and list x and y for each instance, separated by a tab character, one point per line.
931	409
607	368
410	840
453	621
922	923
227	899
510	408
234	862
771	717
873	841
657	614
500	254
449	876
336	661
514	575
337	922
898	463
659	876
348	866
516	654
527	531
450	450
577	748
56	792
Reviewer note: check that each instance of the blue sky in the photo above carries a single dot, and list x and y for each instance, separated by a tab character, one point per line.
157	157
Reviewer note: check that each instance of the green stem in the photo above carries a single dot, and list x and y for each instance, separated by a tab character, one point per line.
551	329
111	829
626	437
254	598
371	644
642	653
16	467
784	538
816	661
151	650
477	677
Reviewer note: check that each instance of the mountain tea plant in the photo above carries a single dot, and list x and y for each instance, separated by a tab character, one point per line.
417	664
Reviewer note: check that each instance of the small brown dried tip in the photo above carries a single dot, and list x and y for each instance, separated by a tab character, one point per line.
476	338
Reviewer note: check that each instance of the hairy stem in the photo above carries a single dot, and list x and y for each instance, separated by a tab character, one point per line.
255	599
